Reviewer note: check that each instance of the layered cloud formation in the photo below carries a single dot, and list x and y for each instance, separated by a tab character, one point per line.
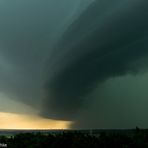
108	40
68	59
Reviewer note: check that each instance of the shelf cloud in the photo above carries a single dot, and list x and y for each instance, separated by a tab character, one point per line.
66	58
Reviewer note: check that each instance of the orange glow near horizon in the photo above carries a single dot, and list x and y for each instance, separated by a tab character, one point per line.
21	121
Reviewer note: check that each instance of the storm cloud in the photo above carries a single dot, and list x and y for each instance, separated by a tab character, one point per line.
76	60
108	40
28	30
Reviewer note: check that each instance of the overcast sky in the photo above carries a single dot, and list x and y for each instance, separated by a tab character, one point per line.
81	61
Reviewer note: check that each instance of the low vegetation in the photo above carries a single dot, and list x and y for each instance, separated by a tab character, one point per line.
138	139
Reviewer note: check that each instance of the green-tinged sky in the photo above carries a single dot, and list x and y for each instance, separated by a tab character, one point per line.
73	64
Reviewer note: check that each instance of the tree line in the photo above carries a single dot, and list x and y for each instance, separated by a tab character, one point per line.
139	139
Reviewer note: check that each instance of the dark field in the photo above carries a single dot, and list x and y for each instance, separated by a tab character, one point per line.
134	138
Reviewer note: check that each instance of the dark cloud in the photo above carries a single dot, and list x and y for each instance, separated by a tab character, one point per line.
59	57
103	42
28	30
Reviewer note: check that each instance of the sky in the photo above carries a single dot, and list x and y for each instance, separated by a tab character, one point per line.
28	31
73	64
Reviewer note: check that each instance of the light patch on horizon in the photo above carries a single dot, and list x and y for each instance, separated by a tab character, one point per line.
21	121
